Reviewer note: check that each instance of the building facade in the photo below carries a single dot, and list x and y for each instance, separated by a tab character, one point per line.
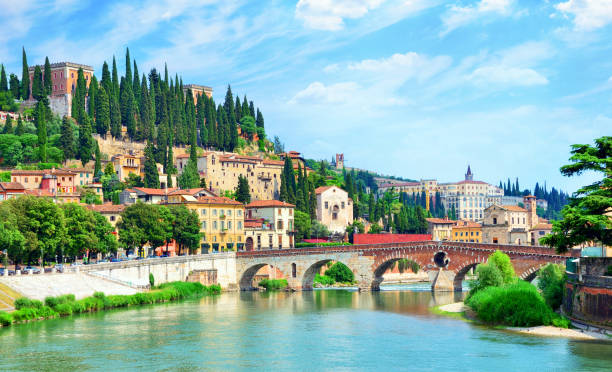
10	190
60	184
440	228
467	232
334	208
125	164
197	90
269	224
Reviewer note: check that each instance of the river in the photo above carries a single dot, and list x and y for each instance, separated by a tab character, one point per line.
310	331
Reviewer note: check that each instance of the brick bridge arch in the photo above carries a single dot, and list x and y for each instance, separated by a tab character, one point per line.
369	262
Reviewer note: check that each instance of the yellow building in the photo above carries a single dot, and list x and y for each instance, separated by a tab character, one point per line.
440	228
126	164
221	221
467	231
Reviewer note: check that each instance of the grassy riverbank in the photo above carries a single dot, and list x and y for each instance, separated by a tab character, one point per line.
273	284
66	305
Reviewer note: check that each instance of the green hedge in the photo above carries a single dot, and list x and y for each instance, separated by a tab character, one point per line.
65	305
329	244
517	305
273	284
324	279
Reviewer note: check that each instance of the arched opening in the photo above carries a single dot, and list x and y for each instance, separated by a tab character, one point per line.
388	267
441	259
249	243
252	275
293	270
320	267
460	276
309	274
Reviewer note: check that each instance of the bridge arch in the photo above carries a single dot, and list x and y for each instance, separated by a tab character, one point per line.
531	273
246	280
461	272
310	273
389	261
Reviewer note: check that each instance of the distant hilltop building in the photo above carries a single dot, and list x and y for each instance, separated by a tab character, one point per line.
197	90
470	198
63	79
338	162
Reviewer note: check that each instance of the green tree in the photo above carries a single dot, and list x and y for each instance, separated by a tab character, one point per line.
37	84
115	117
488	275
48	84
25	77
151	176
98	163
375	229
15	86
86	141
41	128
190	178
20	128
340	273
80	226
141	223
186	228
67	141
92	96
3	80
302	225
502	261
11	240
584	218
551	281
318	230
8	125
103	116
242	191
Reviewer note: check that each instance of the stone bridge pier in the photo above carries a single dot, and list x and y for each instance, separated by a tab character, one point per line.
300	268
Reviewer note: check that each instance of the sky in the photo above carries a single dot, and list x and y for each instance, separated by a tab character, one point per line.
411	88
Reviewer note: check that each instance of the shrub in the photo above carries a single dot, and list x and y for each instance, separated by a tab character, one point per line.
64	309
487	276
324	280
24	302
608	271
99	295
551	280
6	318
151	280
51	301
517	305
25	313
273	284
340	273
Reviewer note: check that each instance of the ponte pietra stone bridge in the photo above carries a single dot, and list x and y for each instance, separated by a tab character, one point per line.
369	262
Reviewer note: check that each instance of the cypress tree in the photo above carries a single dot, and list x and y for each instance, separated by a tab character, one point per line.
166	74
313	201
201	121
162	142
14	85
238	109
3	81
106	81
92	97
41	130
252	109
98	164
115	117
259	121
229	106
151	177
245	107
136	84
85	141
128	68
103	115
169	167
242	191
25	77
115	81
20	129
37	84
145	113
8	125
78	98
66	140
47	78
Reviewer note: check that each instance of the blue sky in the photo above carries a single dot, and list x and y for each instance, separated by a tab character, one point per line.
413	88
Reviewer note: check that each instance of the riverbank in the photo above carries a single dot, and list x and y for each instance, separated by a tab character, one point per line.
461	311
34	310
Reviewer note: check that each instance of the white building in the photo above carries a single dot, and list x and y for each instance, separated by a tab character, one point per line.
269	224
334	208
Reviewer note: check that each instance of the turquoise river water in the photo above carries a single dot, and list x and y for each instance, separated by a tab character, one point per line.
311	331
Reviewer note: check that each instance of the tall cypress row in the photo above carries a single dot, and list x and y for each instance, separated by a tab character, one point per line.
37	84
25	77
3	81
41	130
47	78
103	112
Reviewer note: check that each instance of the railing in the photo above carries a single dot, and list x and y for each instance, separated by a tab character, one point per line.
118	281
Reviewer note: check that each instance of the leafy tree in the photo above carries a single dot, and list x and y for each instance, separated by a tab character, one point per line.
551	281
15	86
302	225
3	80
80	225
488	275
103	115
11	240
8	125
190	178
375	229
98	163
141	223
186	228
340	273
318	230
25	77
133	180
247	125
242	191
78	98
109	169
20	128
67	140
279	147
584	218
502	261
151	177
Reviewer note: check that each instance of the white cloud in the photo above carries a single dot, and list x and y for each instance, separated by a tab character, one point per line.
403	66
329	15
319	93
507	76
458	16
588	15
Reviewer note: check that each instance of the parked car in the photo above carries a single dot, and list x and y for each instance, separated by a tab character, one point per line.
35	270
59	268
114	259
10	272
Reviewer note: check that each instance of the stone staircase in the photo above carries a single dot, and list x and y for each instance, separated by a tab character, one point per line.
8	297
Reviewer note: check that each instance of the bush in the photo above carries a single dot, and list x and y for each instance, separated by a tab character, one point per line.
608	271
502	262
273	284
340	273
151	280
6	318
324	280
64	309
517	305
24	302
551	280
487	276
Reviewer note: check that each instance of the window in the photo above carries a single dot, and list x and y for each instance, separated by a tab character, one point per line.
239	213
203	212
72	74
293	270
541	232
229	225
214	238
494	220
239	225
214	225
291	212
112	218
203	225
222	225
270	240
513	220
26	179
280	211
523	220
342	205
229	212
214	212
326	204
494	240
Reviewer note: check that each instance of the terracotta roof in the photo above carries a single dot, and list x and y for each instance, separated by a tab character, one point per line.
464	223
513	208
38	192
399	184
79	170
321	189
441	221
542	226
26	171
273	162
107	208
182	156
239	159
268	203
468	181
150	191
253	223
217	200
11	186
188	191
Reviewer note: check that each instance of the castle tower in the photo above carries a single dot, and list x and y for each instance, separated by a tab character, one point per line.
339	161
530	205
469	176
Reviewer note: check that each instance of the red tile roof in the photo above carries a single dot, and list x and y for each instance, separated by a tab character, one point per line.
39	192
468	224
441	221
150	191
467	181
542	226
268	203
254	223
389	238
513	208
217	200
11	186
190	191
107	208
